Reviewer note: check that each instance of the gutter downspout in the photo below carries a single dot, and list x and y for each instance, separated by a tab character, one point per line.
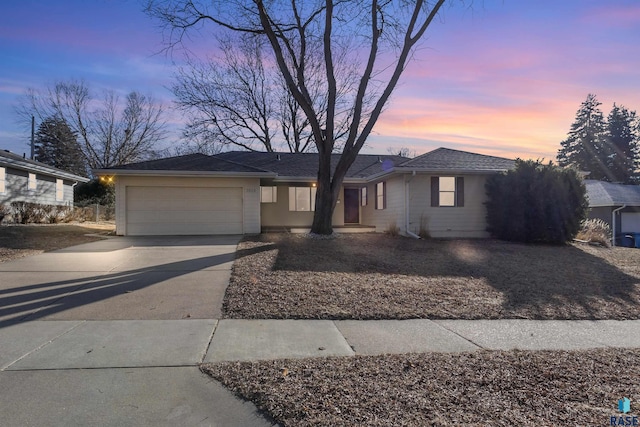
613	222
73	192
406	207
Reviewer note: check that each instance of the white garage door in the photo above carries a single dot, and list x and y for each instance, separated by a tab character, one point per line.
630	222
183	210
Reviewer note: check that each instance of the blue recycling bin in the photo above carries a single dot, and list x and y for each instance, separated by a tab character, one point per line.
627	240
636	239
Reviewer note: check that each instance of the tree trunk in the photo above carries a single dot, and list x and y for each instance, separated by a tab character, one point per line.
326	197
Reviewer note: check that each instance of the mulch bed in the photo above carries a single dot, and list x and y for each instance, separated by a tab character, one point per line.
543	388
376	276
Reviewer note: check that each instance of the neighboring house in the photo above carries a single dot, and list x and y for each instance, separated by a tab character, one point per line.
616	204
24	180
250	192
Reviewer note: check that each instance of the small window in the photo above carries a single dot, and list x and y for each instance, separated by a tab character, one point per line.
268	194
302	199
59	190
363	196
447	191
381	197
33	183
3	174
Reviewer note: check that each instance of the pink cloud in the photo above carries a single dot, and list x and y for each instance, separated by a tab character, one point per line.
614	16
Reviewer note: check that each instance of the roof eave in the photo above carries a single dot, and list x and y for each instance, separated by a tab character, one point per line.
43	170
174	173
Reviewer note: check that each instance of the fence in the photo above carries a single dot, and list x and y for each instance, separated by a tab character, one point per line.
33	213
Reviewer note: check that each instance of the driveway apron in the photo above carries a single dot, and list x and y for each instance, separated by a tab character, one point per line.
111	333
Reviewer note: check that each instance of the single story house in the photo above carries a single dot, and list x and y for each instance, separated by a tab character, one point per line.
616	204
24	180
250	192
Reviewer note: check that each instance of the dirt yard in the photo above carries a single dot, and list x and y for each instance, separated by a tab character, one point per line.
17	241
375	276
485	388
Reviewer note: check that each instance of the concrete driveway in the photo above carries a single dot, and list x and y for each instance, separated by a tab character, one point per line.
111	333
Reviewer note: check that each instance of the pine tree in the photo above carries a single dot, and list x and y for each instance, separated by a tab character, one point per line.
622	141
585	146
57	145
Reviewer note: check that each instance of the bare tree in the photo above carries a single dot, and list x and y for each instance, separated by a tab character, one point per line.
402	151
300	32
110	131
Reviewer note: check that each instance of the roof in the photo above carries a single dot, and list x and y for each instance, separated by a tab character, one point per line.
287	166
602	193
446	159
190	162
305	165
9	159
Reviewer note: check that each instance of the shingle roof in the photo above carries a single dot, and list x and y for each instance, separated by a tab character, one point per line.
448	159
306	164
189	162
601	193
13	160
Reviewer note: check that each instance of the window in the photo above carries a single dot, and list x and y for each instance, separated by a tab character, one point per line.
381	198
268	194
302	199
3	174
59	190
363	196
32	184
447	191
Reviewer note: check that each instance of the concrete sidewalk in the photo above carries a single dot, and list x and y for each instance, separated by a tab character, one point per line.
60	345
145	372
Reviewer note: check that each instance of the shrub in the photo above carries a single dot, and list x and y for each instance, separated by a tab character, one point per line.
4	212
595	230
536	203
423	232
393	229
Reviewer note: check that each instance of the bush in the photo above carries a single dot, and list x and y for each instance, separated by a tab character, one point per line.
95	192
536	203
393	229
423	232
4	212
595	230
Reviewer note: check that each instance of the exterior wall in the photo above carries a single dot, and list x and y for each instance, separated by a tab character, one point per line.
468	221
604	213
393	213
250	199
16	189
278	214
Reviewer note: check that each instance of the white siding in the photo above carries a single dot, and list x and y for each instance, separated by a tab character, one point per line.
466	221
393	213
278	214
248	187
16	189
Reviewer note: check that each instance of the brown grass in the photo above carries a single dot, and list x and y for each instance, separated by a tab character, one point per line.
375	276
17	241
488	388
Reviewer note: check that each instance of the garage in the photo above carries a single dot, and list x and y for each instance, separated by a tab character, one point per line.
163	210
630	222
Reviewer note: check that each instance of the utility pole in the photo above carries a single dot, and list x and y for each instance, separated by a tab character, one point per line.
33	131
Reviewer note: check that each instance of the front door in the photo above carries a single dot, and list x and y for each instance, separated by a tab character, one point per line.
351	206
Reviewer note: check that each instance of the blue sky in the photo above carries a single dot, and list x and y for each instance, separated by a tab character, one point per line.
504	77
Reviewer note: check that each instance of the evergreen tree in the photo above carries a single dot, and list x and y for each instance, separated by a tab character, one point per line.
622	142
57	145
585	147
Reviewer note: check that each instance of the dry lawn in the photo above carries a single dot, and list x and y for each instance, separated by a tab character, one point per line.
546	388
376	276
17	241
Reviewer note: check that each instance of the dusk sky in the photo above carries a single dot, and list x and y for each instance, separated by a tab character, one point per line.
504	78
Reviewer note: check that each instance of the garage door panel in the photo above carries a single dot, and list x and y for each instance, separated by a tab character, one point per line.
184	210
630	222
